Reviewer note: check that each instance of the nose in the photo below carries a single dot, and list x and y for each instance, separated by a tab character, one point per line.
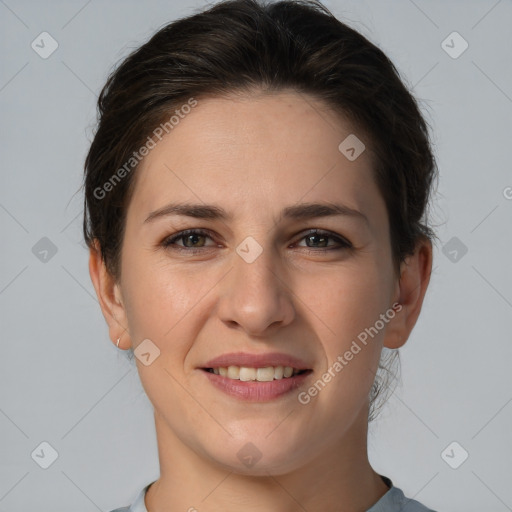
256	296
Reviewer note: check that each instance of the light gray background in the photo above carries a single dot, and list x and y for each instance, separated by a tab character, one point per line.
62	381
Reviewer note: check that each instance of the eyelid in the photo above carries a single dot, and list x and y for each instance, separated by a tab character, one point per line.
343	242
170	240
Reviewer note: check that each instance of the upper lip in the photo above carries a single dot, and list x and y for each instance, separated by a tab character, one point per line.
256	360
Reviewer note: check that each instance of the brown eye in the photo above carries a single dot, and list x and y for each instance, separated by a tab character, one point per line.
316	240
320	239
191	239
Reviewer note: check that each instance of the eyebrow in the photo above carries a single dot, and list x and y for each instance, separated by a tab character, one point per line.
297	212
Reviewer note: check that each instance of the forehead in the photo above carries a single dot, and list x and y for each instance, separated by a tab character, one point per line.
256	152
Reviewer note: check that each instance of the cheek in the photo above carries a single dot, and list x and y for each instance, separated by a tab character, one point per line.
163	300
350	306
151	303
350	300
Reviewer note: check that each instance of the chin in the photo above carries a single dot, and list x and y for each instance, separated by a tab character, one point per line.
256	455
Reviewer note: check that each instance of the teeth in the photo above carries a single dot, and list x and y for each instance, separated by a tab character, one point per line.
266	374
233	372
247	373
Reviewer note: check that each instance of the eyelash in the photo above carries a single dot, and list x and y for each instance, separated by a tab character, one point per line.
168	242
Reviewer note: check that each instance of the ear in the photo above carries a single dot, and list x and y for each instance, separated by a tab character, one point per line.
410	291
109	297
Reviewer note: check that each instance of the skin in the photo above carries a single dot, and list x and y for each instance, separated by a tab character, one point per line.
254	156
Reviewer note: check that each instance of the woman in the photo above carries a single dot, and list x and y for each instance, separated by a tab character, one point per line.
255	197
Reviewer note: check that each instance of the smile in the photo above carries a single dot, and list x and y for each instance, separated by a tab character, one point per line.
266	374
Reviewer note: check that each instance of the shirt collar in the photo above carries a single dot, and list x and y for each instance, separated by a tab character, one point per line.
389	501
138	505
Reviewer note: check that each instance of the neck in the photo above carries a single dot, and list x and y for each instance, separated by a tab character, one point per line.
339	478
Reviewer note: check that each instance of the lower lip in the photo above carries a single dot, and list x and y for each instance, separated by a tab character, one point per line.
255	391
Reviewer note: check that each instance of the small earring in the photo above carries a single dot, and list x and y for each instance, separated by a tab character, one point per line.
118	340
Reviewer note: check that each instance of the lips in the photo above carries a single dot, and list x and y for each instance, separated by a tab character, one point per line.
256	391
247	377
245	359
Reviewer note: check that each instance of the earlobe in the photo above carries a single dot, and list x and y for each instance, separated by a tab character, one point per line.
394	337
109	295
415	273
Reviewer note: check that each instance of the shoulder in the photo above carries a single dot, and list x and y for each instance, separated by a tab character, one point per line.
138	504
395	500
405	504
415	506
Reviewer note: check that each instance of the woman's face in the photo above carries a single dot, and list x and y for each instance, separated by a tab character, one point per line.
256	282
